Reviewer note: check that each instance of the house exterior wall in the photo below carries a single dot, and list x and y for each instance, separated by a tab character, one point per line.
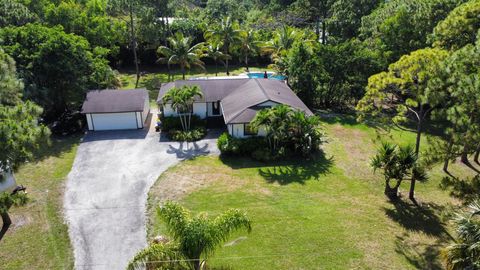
199	108
238	131
114	121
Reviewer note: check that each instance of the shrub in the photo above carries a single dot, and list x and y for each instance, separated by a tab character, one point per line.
239	146
188	136
173	122
263	154
228	144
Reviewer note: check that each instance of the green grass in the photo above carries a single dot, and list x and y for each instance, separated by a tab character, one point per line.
128	77
327	213
38	237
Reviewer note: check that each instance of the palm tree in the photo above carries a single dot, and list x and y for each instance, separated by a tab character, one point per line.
465	253
263	120
282	41
227	33
182	100
193	237
398	163
214	52
248	45
181	52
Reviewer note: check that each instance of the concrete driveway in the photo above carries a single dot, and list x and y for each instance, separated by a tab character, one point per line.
106	192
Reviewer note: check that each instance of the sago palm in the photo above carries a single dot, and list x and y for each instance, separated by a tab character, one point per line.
465	253
227	33
398	163
194	237
182	53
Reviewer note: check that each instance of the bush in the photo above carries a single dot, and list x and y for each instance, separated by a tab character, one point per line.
263	154
188	136
239	146
173	122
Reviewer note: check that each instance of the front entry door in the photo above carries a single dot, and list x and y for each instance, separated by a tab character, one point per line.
216	108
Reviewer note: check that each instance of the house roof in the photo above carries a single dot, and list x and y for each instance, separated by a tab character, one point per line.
239	106
213	90
114	101
239	97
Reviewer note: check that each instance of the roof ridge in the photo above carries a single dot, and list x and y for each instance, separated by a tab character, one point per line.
263	90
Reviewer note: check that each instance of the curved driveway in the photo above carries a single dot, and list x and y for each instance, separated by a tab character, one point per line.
106	192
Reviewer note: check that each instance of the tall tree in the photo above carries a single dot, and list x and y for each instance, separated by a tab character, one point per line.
228	33
57	68
193	236
459	28
456	87
13	13
402	92
248	45
346	17
10	86
182	52
20	135
399	27
130	9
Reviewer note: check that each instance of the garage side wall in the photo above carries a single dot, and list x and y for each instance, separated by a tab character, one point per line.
89	121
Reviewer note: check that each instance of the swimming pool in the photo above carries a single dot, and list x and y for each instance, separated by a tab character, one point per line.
270	76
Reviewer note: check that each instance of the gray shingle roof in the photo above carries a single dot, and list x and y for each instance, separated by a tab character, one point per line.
213	90
112	101
239	97
255	92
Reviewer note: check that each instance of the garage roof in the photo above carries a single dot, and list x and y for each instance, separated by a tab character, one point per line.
114	101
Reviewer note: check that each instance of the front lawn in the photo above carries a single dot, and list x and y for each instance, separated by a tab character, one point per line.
38	237
326	213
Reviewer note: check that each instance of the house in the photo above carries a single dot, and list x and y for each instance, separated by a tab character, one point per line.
235	101
116	109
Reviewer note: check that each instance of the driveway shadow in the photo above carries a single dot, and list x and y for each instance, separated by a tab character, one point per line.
189	150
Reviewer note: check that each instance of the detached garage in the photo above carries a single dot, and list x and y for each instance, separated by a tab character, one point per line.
116	109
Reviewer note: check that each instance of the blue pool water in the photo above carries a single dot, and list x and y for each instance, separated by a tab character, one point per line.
270	76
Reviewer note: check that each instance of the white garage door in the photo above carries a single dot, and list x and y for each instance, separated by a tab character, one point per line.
110	121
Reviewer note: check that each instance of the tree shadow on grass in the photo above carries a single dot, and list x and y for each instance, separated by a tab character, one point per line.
419	255
426	219
419	218
298	172
57	146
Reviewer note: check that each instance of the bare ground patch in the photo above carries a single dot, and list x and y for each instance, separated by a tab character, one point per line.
356	146
186	178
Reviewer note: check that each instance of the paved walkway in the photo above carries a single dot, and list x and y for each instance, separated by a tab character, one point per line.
106	192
